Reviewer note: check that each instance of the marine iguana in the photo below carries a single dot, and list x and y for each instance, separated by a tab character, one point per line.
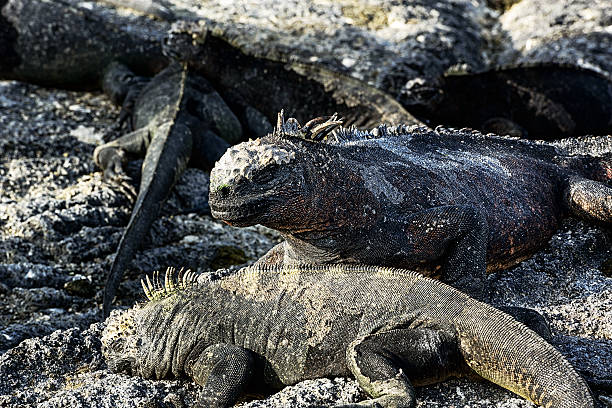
444	201
69	44
391	329
271	82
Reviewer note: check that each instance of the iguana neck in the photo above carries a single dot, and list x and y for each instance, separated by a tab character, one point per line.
310	245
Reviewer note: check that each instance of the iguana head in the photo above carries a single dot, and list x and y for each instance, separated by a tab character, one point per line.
117	81
256	181
119	340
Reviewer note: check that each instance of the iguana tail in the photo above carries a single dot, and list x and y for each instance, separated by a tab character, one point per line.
164	163
506	352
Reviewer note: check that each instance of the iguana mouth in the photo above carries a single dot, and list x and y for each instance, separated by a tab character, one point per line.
246	209
239	213
230	217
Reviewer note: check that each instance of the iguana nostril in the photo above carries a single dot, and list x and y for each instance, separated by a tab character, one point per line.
224	190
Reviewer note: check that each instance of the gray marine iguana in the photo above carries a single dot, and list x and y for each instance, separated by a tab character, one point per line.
391	329
70	44
454	202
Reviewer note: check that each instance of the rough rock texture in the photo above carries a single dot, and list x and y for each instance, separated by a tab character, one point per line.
69	43
426	55
58	235
566	31
404	48
59	224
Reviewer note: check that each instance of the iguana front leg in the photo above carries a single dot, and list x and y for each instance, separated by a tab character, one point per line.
455	235
113	156
223	369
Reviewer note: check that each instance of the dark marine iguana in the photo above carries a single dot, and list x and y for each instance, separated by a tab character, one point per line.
271	82
391	329
69	44
406	197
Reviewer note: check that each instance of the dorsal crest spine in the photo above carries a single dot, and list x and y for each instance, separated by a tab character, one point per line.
173	282
316	129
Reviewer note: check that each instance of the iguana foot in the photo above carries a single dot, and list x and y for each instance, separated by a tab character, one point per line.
124	184
112	160
112	157
223	369
590	200
384	361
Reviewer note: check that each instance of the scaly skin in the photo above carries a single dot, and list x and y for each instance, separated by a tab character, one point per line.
390	329
408	197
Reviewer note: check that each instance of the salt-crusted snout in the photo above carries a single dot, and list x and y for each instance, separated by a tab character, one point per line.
245	160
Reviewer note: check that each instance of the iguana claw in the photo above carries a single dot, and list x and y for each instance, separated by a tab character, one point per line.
123	183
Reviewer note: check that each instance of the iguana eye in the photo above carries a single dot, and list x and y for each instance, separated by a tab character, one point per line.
126	79
265	174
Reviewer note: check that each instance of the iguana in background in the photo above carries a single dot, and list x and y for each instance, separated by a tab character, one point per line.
390	329
409	197
270	82
180	120
70	44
